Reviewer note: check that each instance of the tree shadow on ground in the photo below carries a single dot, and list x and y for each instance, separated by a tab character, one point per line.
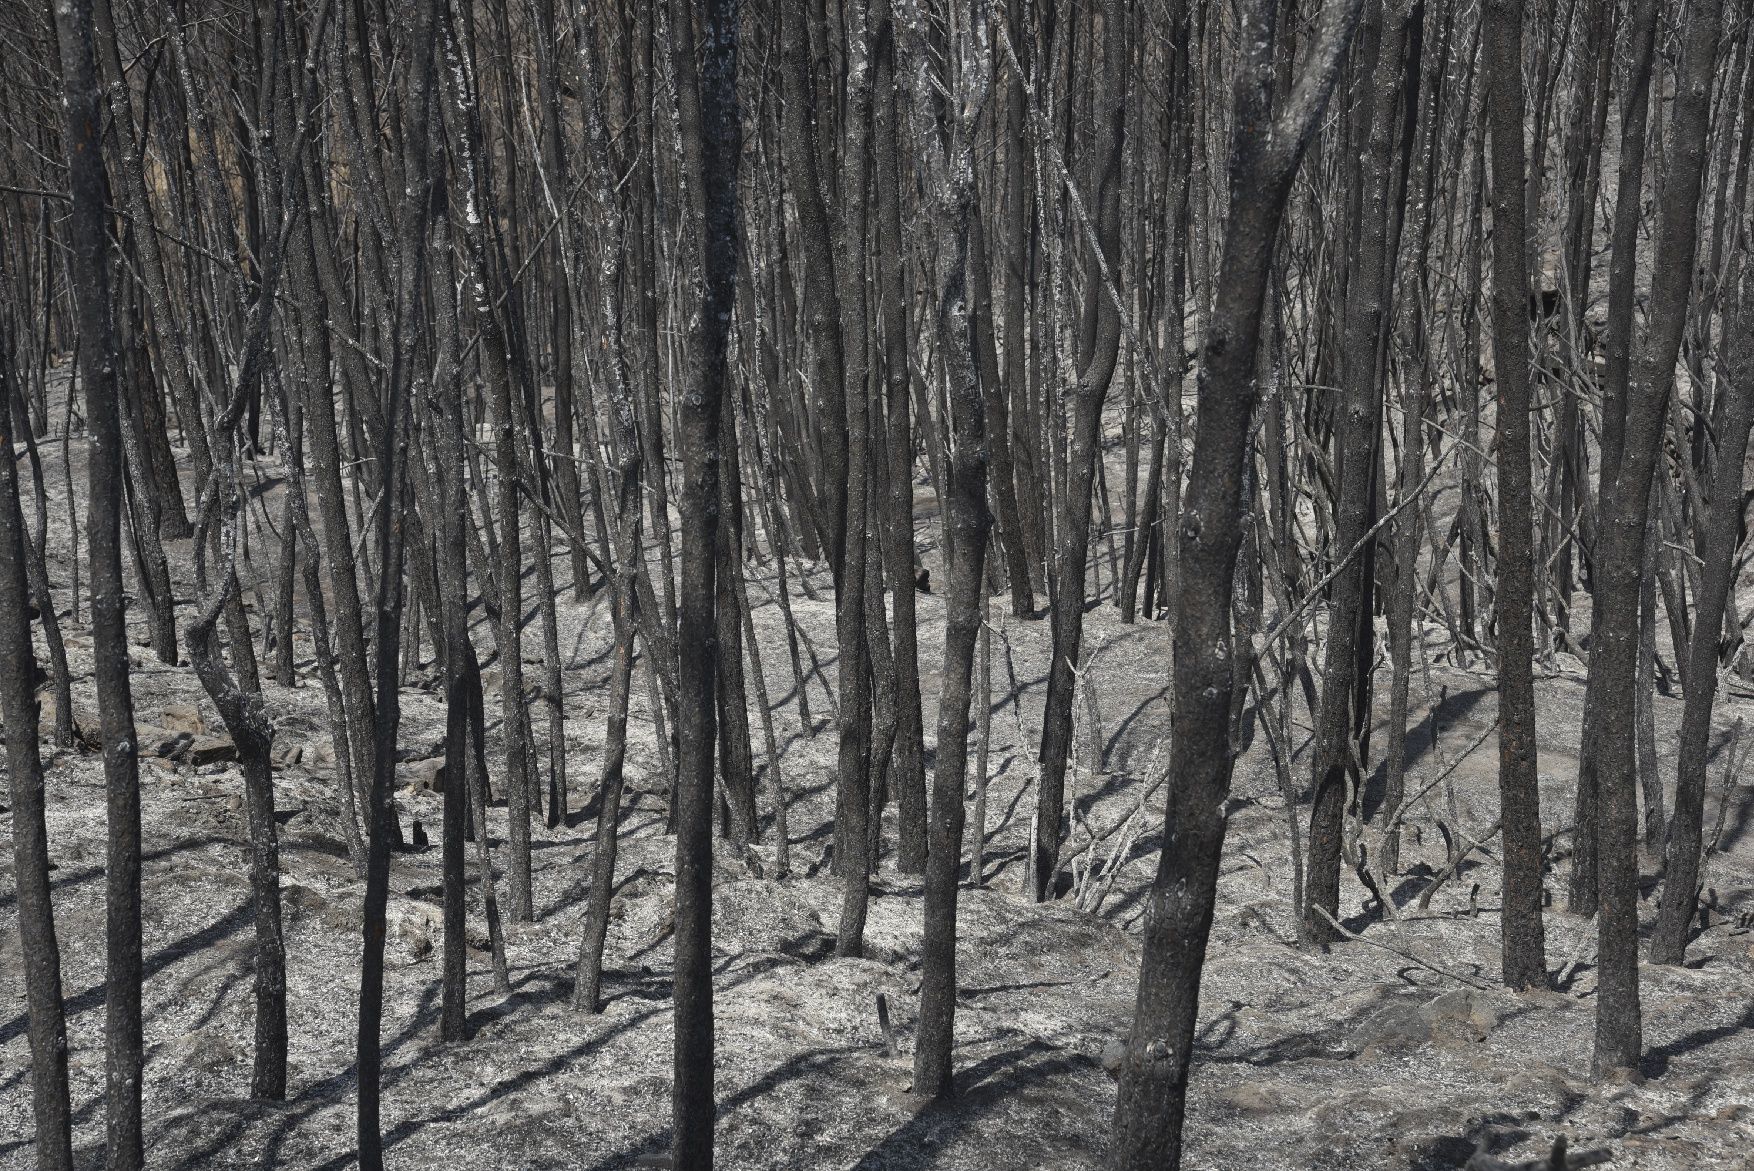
409	1127
87	873
222	928
983	1086
1656	1061
1440	727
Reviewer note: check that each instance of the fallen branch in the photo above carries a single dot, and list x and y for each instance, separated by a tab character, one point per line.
1407	803
1449	872
1470	981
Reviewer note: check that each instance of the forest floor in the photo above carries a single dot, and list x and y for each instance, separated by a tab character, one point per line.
1398	1051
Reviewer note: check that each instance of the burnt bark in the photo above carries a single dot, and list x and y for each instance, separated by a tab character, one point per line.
1072	532
1625	526
50	1106
100	369
709	117
1266	148
1718	541
1523	947
1342	729
969	72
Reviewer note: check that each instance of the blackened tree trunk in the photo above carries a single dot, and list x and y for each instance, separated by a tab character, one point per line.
461	104
952	158
835	317
345	666
172	353
1018	244
853	795
1425	105
588	976
100	366
782	846
391	442
620	483
736	758
1265	152
475	775
246	720
881	663
1523	947
1622	288
1717	547
36	564
452	575
708	103
568	486
1072	533
908	774
30	840
1625	524
1346	692
1018	247
998	433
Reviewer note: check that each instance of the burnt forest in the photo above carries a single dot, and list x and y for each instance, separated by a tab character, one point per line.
795	585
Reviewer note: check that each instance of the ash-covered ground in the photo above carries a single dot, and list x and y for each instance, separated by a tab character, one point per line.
1396	1051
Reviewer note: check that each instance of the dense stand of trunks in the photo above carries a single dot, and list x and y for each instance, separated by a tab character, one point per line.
516	304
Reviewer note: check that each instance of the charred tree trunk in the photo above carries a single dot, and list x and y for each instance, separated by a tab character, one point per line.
709	115
613	245
1342	729
100	365
246	719
1523	945
1718	542
392	446
1622	287
1625	526
1072	533
50	1107
908	772
1265	152
969	520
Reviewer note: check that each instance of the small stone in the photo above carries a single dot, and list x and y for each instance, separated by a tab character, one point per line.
1114	1052
182	717
87	728
410	927
423	775
211	750
1464	1010
1400	1024
208	1049
163	743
